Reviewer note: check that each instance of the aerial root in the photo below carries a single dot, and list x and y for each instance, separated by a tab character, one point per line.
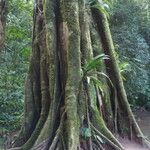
56	139
54	144
116	146
40	146
16	148
98	145
146	142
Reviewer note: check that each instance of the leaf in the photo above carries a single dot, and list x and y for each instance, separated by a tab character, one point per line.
106	6
88	80
92	2
124	65
98	83
86	132
106	76
96	61
99	139
108	2
101	9
137	60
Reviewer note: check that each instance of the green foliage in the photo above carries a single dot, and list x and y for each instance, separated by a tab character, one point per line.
130	28
95	62
124	66
14	61
85	133
89	71
101	5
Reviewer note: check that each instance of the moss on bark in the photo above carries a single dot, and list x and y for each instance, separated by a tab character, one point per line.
61	99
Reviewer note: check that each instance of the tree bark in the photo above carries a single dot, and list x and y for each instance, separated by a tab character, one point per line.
3	10
61	104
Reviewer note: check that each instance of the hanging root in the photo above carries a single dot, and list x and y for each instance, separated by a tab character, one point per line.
99	126
115	146
56	138
98	144
41	145
58	133
146	142
55	141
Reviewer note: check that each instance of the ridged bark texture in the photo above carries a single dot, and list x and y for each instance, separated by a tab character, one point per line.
3	12
63	110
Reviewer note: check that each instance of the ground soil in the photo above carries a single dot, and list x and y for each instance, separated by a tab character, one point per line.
143	119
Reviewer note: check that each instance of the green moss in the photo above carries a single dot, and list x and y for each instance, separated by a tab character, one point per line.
70	8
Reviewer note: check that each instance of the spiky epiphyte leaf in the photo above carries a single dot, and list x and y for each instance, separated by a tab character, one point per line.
95	62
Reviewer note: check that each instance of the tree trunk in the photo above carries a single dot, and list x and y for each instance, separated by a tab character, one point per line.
62	109
2	21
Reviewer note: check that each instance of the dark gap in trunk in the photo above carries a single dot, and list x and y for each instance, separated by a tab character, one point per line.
56	6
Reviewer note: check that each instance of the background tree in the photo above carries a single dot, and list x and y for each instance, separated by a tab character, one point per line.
14	61
3	8
63	108
132	38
